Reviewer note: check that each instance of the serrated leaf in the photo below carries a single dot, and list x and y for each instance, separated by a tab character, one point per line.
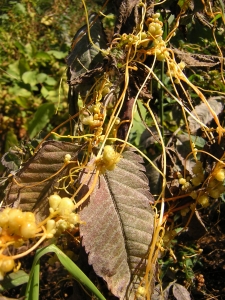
204	114
28	187
180	292
118	225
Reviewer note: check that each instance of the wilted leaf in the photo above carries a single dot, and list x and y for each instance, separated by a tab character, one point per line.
29	187
125	11
197	60
118	225
11	160
204	114
85	56
180	292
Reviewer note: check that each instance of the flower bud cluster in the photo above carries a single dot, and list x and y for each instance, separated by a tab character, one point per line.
92	116
15	222
15	228
175	70
6	265
215	186
63	207
216	183
108	160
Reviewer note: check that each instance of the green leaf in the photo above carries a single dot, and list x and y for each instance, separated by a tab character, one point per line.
19	92
216	18
41	118
10	140
23	66
20	47
41	77
183	4
23	102
41	55
13	69
138	126
50	81
29	49
44	92
30	77
13	280
57	54
19	9
67	263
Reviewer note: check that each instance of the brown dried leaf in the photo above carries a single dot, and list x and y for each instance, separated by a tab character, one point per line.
204	114
197	60
45	163
118	225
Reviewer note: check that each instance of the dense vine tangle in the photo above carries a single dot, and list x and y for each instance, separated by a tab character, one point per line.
100	120
93	116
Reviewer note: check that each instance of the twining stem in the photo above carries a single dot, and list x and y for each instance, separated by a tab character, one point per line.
29	250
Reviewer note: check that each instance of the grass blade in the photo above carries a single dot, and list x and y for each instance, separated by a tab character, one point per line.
32	290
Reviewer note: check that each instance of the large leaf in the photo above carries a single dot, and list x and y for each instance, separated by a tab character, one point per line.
32	184
85	56
118	225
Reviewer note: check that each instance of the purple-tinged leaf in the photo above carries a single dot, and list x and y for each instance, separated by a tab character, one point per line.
180	292
36	180
119	225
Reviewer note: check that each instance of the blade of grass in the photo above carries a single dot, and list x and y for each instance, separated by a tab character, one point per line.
67	263
34	292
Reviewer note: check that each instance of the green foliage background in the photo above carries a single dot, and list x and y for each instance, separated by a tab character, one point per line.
35	38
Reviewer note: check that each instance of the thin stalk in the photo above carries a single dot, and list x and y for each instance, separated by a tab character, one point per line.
161	101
